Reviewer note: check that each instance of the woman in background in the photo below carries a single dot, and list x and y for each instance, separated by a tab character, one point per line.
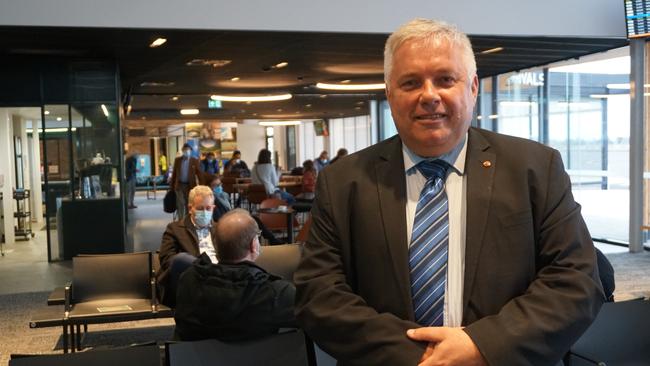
264	172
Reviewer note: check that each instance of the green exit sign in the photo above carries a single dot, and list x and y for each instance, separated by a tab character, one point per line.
214	104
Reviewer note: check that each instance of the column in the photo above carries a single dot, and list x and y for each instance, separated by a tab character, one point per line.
637	60
7	173
35	170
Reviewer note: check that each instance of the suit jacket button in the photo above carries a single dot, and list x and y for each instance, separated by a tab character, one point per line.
487	164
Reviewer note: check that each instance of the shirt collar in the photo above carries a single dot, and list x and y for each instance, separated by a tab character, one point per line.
455	158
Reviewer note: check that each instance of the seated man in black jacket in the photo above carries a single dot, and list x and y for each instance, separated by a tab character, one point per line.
235	299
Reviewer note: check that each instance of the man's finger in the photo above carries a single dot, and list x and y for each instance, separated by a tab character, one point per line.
429	334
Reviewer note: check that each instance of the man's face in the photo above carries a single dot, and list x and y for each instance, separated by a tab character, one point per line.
430	96
200	204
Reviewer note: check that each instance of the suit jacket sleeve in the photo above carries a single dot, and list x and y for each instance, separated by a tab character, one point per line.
172	180
329	310
538	326
168	248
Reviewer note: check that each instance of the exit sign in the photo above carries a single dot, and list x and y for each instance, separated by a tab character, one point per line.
214	104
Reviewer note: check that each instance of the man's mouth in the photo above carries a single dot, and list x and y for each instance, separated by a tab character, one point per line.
429	117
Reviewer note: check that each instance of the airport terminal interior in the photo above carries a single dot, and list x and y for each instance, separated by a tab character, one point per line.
76	102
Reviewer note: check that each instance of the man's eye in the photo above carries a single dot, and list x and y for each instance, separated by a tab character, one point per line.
408	84
447	80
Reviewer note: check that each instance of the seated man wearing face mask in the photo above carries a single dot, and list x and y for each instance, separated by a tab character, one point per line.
185	240
236	167
235	299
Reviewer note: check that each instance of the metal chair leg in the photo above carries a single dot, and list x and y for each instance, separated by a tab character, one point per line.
65	338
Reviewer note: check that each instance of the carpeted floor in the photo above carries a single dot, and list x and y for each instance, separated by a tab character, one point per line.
16	336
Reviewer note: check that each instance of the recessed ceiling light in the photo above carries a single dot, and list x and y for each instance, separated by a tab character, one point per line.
190	111
254	114
308	105
359	103
345	81
174	98
157	83
281	65
492	50
59	119
279	123
47	112
143	117
279	109
249	102
235	79
105	110
244	98
358	108
351	86
323	96
158	42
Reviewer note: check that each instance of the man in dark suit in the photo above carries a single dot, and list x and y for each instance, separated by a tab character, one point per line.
515	280
184	240
186	174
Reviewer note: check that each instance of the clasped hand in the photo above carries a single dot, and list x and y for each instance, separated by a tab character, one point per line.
447	346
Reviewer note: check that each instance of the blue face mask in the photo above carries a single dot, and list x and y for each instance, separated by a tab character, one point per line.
217	190
202	218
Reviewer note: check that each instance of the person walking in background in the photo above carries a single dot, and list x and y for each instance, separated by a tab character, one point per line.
162	164
339	154
322	161
131	170
186	174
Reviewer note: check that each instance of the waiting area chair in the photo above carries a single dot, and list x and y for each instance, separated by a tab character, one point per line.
110	288
130	356
280	260
284	349
255	194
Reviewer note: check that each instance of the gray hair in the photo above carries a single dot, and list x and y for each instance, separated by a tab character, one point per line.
234	236
199	191
435	32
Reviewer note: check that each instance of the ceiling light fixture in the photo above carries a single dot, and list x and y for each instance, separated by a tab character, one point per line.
51	130
47	112
59	119
244	98
213	63
174	98
235	79
129	108
351	86
492	50
158	42
156	83
105	110
281	65
189	112
279	123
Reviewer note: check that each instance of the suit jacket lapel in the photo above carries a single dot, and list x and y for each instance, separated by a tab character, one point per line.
480	180
189	227
391	185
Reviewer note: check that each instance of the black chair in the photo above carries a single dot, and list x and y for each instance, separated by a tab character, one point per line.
285	349
131	356
280	260
620	335
110	288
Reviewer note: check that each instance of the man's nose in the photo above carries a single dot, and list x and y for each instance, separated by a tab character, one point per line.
429	94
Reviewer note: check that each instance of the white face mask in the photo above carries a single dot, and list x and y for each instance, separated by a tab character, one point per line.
187	153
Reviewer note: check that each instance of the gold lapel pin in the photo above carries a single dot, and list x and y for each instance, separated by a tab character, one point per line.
487	164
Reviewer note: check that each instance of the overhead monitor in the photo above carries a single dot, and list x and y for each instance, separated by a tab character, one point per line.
637	18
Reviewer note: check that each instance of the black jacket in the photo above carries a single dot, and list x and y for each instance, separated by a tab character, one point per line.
231	302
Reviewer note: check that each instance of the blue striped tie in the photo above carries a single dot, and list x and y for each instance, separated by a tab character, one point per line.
429	246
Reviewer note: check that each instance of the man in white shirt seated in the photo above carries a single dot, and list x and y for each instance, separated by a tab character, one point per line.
184	240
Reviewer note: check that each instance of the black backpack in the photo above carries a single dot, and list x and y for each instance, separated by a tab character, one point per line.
169	202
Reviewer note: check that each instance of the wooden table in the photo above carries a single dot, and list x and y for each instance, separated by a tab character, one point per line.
289	214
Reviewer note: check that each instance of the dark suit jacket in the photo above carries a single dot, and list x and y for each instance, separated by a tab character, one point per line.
180	236
194	173
530	283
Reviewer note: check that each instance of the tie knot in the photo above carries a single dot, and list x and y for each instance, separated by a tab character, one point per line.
432	169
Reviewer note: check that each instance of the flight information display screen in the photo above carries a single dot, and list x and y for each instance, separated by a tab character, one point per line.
637	18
